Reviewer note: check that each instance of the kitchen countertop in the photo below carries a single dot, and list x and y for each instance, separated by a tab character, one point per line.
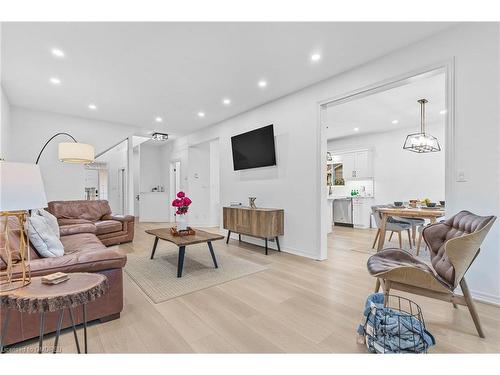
347	197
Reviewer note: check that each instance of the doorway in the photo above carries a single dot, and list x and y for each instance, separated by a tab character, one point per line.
353	147
175	184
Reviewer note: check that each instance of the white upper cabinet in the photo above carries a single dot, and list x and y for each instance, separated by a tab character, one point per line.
355	164
362	164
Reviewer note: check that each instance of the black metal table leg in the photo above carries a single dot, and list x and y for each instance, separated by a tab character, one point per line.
180	262
266	245
210	247
154	247
74	329
4	330
278	243
228	235
85	326
239	237
58	332
42	326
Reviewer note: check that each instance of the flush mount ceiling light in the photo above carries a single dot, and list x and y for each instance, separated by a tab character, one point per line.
442	112
226	101
315	57
159	136
92	106
421	142
395	122
356	129
56	52
262	83
55	81
158	119
201	114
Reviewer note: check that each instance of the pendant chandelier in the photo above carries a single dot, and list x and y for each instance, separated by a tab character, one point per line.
421	142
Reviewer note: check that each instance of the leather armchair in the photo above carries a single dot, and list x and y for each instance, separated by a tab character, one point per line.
453	245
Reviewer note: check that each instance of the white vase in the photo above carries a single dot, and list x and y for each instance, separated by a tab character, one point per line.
182	222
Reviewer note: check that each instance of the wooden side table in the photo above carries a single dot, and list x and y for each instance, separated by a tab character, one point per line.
37	297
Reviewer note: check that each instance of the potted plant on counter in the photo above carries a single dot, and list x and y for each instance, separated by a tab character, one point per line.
181	203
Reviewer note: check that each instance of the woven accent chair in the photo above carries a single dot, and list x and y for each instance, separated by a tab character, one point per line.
453	245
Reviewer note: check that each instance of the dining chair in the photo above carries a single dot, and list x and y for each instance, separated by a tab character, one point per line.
453	245
392	225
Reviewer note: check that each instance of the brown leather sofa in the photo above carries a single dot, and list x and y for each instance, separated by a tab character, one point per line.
83	252
110	229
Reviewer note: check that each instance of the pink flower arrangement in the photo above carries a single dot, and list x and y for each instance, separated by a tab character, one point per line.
182	203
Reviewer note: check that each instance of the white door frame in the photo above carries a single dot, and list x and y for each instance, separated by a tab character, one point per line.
173	192
448	68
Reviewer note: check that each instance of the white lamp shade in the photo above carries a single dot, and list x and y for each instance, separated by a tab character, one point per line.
21	187
73	152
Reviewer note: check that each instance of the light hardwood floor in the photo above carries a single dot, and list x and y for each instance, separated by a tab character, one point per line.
297	305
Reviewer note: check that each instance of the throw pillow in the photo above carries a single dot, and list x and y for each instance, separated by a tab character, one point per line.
43	238
51	221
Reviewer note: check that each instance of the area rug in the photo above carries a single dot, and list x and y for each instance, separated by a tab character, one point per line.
158	277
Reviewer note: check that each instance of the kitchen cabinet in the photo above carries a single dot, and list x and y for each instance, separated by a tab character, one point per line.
361	212
356	164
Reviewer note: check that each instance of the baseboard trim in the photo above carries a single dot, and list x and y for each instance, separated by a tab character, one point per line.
272	246
490	299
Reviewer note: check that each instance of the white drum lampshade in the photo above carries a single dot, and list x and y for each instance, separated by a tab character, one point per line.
78	153
21	187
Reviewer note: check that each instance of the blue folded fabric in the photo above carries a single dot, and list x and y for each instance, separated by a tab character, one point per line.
390	331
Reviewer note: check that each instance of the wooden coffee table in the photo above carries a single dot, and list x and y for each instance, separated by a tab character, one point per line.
182	241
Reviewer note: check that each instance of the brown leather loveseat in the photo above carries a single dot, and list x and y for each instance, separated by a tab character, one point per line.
83	252
110	229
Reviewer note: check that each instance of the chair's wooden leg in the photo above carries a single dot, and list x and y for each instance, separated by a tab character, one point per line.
400	240
419	242
413	233
387	288
409	239
390	237
471	307
376	238
377	285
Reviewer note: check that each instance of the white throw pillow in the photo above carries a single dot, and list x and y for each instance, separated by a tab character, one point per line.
43	238
51	221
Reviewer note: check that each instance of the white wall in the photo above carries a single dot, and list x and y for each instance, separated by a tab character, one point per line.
400	175
153	170
4	125
295	183
29	129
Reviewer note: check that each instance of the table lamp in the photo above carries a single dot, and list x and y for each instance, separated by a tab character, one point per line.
21	189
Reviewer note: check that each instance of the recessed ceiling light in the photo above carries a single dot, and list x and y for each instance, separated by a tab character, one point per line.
262	83
443	112
356	129
315	57
226	101
201	114
56	52
92	106
395	121
158	119
55	81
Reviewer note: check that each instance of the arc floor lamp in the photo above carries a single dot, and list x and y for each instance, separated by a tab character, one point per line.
22	190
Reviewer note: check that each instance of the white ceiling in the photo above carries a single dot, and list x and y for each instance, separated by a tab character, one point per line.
134	72
375	113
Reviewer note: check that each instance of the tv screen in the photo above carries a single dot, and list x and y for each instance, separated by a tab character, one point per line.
254	149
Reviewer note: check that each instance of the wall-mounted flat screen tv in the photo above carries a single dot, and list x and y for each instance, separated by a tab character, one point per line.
254	149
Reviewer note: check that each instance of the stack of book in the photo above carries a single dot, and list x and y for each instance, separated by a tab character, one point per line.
55	278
